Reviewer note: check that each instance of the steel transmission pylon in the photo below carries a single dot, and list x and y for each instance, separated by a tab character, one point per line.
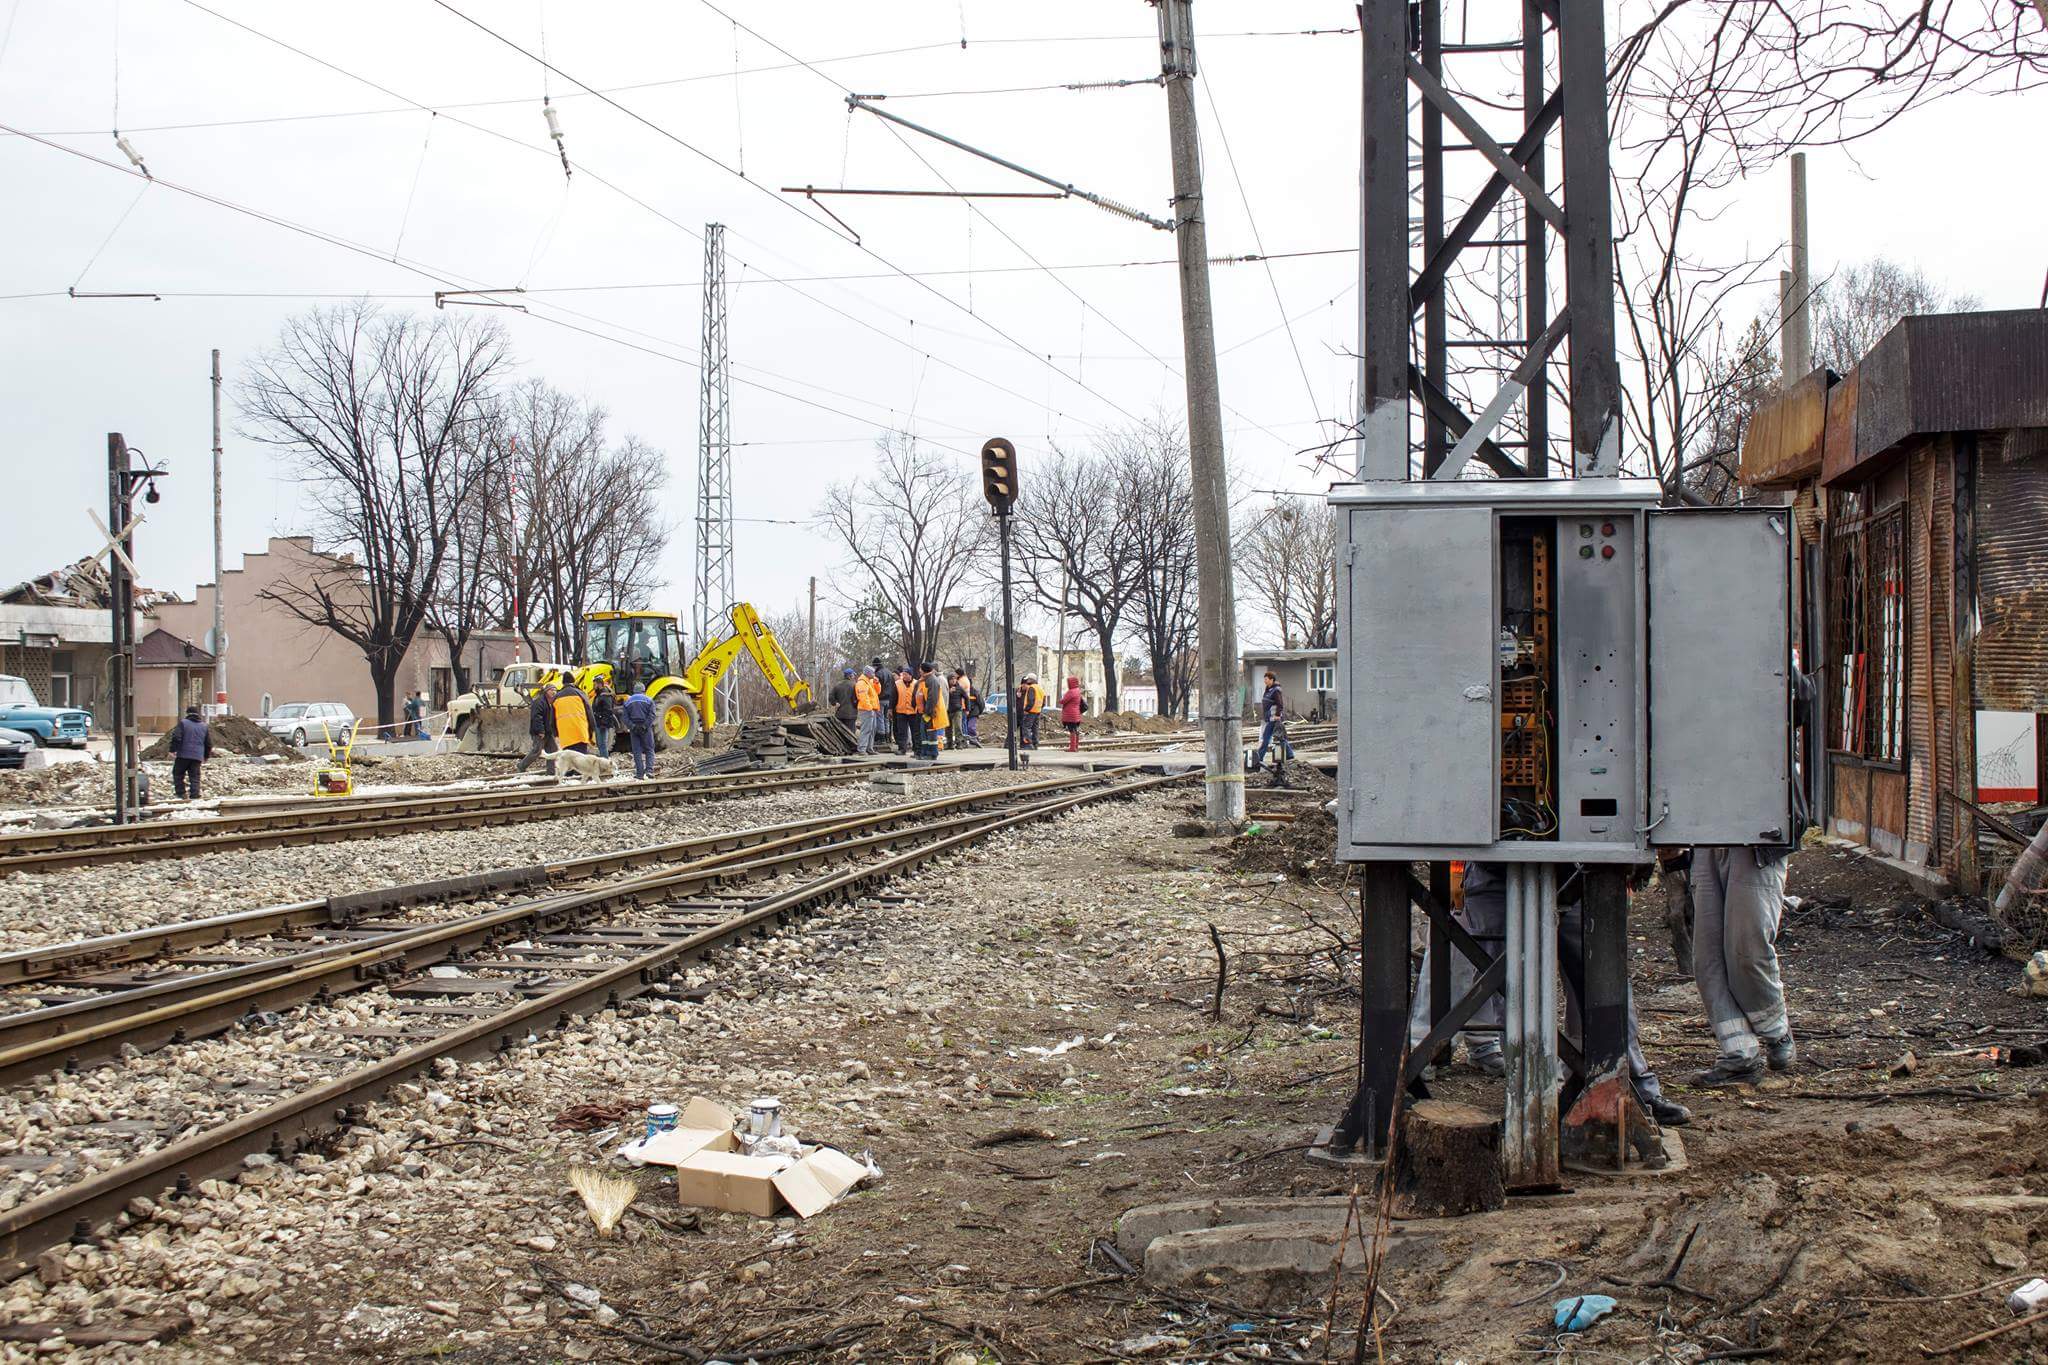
714	596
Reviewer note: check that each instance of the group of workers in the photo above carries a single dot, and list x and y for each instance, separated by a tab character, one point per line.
562	718
919	709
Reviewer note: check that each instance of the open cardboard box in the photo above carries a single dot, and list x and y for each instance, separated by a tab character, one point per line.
711	1173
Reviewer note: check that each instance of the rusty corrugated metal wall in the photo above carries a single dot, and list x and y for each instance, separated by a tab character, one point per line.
2010	672
1920	701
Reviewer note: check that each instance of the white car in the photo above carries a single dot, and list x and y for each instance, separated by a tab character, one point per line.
297	722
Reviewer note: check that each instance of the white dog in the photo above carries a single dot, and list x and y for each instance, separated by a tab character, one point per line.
589	767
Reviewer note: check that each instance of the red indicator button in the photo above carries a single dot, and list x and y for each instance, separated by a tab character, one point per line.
1607	552
1606	528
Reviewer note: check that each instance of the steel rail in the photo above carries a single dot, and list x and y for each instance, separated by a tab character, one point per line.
356	819
199	1004
51	1219
110	950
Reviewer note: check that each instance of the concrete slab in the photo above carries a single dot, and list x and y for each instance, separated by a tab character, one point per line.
1139	1227
1260	1262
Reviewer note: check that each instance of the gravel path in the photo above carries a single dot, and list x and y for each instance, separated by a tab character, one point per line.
448	1197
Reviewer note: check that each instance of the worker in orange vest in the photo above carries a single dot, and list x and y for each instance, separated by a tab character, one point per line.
1030	704
932	700
572	719
867	701
909	705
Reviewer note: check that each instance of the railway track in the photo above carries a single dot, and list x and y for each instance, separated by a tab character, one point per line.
351	818
514	969
1308	737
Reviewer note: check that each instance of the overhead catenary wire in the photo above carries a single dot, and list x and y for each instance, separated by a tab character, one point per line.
697	151
608	184
1003	232
459	284
1244	197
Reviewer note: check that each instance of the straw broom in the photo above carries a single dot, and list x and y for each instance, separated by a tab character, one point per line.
606	1196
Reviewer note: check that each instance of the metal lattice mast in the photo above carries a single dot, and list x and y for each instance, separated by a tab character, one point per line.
714	595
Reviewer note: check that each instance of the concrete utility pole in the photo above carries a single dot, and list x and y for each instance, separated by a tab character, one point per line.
1216	598
219	643
1795	314
811	641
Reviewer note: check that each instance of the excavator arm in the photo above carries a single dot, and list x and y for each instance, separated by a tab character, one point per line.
749	633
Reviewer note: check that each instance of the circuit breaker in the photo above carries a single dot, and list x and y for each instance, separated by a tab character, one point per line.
1559	671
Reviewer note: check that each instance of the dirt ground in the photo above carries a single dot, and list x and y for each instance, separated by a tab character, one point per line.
1864	1205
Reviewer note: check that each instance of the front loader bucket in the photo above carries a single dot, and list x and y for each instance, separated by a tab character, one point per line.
495	730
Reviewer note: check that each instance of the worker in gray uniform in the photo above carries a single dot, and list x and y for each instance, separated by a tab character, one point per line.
1738	898
1485	917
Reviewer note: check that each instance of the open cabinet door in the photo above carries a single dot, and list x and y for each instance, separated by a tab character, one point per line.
1417	677
1720	598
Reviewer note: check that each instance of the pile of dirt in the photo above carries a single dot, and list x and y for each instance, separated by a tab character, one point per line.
1305	846
1294	775
233	735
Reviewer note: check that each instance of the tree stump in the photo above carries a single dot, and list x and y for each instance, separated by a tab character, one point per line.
1448	1162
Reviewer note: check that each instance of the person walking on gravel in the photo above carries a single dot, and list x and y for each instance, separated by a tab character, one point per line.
191	745
639	715
1072	706
1273	715
540	728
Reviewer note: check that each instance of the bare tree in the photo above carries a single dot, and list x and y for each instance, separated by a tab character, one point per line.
379	415
914	527
1288	549
1159	508
1076	544
580	528
1858	304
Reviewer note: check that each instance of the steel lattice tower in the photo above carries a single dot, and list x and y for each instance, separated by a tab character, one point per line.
714	595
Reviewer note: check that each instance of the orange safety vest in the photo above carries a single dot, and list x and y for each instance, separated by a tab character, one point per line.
867	694
937	697
908	698
572	718
1034	699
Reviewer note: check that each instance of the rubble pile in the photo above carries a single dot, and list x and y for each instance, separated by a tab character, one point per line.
232	735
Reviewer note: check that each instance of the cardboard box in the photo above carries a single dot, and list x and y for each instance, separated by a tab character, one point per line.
731	1181
701	1126
818	1181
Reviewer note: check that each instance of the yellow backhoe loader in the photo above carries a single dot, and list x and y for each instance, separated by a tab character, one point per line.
631	648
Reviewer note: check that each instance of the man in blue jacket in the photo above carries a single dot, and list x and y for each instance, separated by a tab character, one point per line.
191	745
639	716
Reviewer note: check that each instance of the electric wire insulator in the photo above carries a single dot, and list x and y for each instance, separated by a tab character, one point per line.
134	157
554	121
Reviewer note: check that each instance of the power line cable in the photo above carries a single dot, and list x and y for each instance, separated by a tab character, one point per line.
458	284
779	199
1003	232
546	231
1230	159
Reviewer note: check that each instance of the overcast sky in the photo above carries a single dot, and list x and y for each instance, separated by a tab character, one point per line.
993	345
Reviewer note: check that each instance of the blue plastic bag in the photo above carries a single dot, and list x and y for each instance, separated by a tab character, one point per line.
1581	1311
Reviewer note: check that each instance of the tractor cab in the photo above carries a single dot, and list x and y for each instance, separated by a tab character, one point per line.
637	646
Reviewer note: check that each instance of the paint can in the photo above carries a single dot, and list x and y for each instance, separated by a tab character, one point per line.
662	1118
764	1117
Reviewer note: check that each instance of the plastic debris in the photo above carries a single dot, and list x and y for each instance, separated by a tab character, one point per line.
1578	1313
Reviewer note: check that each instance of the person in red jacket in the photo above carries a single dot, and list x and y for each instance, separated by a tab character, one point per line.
1071	707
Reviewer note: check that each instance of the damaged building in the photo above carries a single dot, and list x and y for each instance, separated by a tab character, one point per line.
1919	483
56	633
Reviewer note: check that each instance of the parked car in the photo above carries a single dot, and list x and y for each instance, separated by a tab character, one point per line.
14	747
65	726
319	721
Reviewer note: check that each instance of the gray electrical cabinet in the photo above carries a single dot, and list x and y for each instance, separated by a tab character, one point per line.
1559	671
